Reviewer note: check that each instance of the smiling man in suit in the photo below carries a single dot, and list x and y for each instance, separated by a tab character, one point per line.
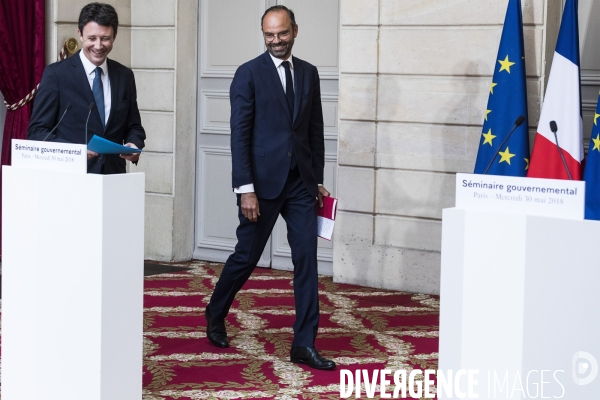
93	87
278	156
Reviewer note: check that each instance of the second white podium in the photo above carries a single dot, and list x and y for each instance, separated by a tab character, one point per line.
520	299
72	285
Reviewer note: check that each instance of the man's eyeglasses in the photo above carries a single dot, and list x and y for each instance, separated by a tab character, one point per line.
269	37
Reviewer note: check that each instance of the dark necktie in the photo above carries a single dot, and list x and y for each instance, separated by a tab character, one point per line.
289	86
98	92
289	96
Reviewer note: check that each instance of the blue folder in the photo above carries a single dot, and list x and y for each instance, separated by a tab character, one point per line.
103	146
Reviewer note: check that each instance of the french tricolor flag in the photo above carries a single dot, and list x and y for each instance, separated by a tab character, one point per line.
562	104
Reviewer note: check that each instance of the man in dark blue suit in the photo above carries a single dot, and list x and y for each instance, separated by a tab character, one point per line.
87	79
278	156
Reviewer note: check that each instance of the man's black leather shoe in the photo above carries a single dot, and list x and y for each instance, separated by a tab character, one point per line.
215	331
310	357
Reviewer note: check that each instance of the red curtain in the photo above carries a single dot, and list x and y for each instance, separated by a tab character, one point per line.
22	61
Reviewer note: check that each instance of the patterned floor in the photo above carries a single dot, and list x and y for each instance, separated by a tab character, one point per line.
360	328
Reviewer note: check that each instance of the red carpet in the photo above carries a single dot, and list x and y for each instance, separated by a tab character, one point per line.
360	328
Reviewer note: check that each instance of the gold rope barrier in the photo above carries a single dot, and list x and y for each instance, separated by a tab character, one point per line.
69	48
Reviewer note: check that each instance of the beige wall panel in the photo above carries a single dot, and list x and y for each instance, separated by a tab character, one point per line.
320	19
330	175
387	267
215	111
353	228
427	147
159	131
158	227
226	30
358	97
534	106
159	172
218	214
415	271
359	12
352	264
353	238
414	193
155	90
455	51
589	32
329	102
66	31
445	100
185	129
355	189
153	12
356	143
455	12
121	51
412	233
68	10
440	100
358	50
153	48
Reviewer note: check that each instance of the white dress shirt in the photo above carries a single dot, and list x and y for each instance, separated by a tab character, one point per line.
249	188
281	70
90	72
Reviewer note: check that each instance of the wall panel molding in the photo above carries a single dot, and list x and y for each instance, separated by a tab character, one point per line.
227	70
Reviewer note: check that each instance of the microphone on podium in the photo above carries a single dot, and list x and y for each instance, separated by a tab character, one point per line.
67	108
518	123
554	129
90	108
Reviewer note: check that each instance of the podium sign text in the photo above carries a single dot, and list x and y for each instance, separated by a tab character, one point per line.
50	156
553	198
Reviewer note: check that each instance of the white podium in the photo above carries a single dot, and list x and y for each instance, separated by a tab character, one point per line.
520	297
72	285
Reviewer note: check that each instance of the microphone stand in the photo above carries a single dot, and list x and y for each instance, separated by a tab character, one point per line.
90	107
518	123
67	108
554	129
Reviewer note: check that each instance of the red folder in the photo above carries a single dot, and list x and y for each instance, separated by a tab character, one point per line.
326	217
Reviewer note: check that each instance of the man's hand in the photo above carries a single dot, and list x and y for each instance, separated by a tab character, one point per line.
131	157
250	209
322	192
91	154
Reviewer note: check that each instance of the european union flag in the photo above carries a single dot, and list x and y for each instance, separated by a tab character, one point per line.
591	175
507	101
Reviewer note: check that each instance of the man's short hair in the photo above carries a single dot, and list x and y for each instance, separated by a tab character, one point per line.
100	13
289	12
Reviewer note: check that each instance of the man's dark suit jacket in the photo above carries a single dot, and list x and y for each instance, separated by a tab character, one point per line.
66	82
263	135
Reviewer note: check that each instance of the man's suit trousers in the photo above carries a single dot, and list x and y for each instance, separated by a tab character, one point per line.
299	209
